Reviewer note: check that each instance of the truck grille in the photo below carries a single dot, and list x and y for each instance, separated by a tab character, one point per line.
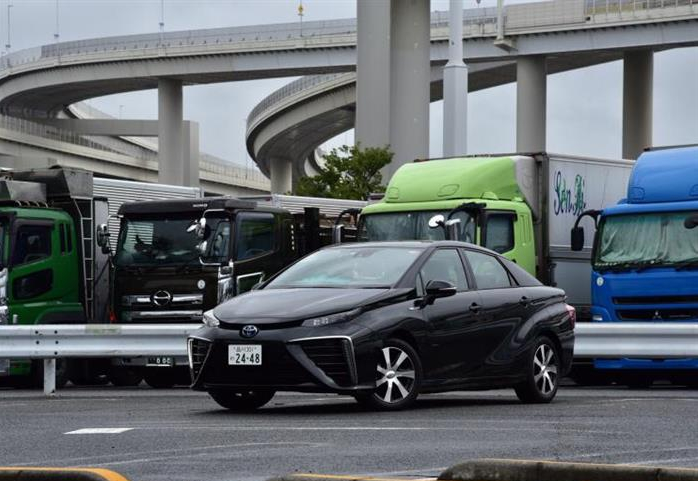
658	314
198	351
656	300
334	357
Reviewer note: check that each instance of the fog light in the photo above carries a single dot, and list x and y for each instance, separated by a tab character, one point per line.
597	318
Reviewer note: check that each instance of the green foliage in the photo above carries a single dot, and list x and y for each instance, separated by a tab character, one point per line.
350	172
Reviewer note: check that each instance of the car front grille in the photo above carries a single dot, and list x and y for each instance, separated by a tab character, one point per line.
335	357
198	351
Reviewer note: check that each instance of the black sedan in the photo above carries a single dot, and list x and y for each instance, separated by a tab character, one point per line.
384	322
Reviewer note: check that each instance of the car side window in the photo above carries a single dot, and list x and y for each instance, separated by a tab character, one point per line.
445	265
488	272
499	232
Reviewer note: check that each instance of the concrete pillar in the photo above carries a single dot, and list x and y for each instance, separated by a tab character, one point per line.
531	90
638	73
191	153
455	85
281	176
171	168
409	82
372	122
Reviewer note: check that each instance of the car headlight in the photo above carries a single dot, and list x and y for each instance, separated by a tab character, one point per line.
332	318
210	320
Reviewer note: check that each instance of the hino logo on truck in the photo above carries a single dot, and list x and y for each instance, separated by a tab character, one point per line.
161	298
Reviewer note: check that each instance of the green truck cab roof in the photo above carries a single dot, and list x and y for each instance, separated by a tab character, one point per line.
35	213
446	183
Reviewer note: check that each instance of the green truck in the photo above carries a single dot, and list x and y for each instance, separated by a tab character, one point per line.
522	206
54	258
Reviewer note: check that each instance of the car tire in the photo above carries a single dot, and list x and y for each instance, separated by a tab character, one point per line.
124	377
241	400
160	377
542	373
398	378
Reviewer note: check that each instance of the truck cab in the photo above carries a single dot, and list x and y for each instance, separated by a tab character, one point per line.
645	257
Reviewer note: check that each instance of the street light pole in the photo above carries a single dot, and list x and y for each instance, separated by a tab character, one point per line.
57	34
8	45
162	20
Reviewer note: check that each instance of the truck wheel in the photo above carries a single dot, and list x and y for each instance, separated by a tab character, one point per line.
160	378
241	400
542	378
124	377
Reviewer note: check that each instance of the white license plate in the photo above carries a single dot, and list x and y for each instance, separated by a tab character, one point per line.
160	361
245	355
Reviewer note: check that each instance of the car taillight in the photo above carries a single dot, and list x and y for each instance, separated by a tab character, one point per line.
573	314
112	316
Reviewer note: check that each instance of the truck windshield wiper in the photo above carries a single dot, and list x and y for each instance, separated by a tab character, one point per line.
687	264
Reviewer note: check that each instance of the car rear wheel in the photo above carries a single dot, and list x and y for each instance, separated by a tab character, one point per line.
124	376
542	370
398	377
160	377
241	400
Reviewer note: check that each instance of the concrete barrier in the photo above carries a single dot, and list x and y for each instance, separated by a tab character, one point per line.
525	470
58	474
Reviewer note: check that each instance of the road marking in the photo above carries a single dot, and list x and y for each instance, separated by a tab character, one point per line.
100	431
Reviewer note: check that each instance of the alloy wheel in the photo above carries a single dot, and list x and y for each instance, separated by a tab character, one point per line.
545	369
395	375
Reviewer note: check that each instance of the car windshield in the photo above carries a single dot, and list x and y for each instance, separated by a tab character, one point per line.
145	241
413	226
348	267
645	239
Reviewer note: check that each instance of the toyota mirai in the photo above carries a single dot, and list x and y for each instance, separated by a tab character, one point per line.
384	322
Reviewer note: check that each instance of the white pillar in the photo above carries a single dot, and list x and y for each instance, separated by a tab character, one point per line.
455	86
280	173
531	91
191	154
410	31
372	122
49	377
171	168
638	73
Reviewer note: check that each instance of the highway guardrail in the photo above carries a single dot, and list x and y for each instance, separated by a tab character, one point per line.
646	340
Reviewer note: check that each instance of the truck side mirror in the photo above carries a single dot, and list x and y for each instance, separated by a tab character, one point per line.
437	221
198	227
691	221
577	239
103	238
337	233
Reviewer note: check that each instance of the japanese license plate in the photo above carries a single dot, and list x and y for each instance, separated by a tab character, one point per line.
160	361
245	355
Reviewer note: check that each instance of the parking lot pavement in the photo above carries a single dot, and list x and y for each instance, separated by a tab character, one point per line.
181	435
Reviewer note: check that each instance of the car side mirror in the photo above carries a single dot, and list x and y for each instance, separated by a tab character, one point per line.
691	221
437	289
577	239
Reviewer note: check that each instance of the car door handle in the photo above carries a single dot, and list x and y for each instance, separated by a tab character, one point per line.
524	301
475	307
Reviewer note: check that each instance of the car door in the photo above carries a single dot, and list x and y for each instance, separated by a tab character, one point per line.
505	307
451	320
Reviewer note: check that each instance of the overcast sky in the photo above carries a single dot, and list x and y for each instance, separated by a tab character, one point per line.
584	106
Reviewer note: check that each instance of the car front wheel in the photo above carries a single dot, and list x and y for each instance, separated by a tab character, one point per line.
398	377
241	400
542	370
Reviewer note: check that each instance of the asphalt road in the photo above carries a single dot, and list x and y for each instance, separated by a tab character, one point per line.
181	435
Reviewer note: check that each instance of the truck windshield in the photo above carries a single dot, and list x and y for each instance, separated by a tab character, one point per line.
412	226
641	240
3	233
146	241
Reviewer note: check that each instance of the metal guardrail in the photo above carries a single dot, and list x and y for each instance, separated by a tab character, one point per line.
49	342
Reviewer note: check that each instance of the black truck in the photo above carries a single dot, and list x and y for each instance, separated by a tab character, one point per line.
175	259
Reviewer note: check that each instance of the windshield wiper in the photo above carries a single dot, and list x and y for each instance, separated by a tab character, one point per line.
686	264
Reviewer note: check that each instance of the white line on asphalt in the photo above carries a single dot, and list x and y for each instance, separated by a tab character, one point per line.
100	431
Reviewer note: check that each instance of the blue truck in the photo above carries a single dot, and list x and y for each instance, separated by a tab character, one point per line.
645	260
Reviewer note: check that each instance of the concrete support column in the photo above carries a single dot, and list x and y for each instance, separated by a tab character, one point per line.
191	153
531	92
281	176
409	82
372	122
455	85
638	73
171	169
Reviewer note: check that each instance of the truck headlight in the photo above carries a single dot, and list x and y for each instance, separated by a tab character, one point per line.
210	320
332	318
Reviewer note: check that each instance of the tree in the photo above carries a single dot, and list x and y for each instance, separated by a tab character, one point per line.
350	172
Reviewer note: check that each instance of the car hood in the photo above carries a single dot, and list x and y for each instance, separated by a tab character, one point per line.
300	303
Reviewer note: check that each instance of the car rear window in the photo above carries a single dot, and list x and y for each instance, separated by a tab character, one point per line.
521	277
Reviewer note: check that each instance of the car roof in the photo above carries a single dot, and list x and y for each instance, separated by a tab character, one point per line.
416	244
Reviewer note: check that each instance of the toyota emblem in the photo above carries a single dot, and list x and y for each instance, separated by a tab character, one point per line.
249	331
161	298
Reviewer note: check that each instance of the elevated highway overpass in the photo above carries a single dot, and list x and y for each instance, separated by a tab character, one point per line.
562	34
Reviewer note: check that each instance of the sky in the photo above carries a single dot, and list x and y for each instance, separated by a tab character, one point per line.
584	106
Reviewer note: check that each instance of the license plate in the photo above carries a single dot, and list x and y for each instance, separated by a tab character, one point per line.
245	355
160	361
